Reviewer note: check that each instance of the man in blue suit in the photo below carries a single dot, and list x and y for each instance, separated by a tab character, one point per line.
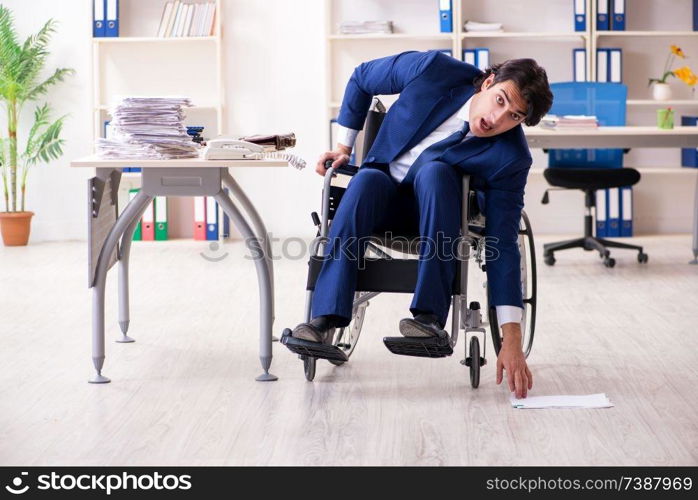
450	119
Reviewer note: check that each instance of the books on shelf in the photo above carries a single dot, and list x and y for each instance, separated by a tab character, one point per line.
181	19
365	27
482	27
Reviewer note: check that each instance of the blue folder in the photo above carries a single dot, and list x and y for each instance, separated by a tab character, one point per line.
446	16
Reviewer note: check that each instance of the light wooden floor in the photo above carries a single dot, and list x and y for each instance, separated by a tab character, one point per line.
185	393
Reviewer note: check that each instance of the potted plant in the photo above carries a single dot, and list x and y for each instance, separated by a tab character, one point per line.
20	84
661	90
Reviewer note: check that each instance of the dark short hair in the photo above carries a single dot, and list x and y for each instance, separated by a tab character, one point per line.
531	81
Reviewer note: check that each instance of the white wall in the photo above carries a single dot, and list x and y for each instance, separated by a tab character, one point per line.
274	80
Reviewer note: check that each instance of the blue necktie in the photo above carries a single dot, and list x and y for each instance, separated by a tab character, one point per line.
435	151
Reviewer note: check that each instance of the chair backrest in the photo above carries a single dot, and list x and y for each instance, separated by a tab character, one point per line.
607	101
373	122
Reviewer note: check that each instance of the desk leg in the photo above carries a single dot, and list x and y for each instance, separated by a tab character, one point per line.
124	316
263	278
695	225
130	213
259	228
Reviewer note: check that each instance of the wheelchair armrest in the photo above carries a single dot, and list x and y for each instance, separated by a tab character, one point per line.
345	169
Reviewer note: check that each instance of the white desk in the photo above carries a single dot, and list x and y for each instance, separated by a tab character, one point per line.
190	177
620	137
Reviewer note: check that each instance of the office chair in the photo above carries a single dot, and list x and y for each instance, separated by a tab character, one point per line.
383	272
589	169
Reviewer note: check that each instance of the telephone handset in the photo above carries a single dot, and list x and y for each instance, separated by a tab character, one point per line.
228	148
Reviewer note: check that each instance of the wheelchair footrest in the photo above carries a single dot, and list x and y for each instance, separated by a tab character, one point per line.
312	349
427	347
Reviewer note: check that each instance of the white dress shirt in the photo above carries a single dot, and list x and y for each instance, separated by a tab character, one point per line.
400	165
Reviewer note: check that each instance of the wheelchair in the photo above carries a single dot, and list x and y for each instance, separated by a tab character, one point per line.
382	272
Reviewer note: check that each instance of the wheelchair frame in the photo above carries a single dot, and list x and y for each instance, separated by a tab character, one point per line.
463	315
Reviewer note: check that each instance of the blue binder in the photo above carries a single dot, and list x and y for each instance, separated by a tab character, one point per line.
695	15
602	21
211	218
226	220
614	212
615	65
579	65
618	17
111	10
601	213
98	18
580	15
626	211
446	16
482	58
689	156
469	56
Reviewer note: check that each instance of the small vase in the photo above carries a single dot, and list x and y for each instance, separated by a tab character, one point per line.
15	227
661	92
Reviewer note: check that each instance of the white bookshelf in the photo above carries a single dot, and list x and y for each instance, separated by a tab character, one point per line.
138	62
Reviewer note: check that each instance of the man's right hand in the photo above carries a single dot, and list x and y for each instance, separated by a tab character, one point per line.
339	157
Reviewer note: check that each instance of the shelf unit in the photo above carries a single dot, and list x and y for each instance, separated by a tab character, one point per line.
119	62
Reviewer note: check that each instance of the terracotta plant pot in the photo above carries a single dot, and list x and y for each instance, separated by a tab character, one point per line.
15	227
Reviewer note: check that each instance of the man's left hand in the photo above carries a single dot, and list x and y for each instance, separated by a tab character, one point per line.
511	358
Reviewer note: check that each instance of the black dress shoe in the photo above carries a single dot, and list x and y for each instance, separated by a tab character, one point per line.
319	330
423	325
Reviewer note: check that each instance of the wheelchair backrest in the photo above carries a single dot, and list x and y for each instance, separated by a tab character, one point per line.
373	122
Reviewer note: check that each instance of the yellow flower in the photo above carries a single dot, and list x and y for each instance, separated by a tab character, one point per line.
686	75
676	50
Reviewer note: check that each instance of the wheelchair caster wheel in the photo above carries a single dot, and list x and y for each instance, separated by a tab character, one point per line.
642	258
309	367
549	260
474	362
609	262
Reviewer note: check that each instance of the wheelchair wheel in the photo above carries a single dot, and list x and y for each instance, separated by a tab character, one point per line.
528	291
309	367
474	362
347	337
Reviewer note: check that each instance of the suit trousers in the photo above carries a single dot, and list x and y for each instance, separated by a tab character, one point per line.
429	207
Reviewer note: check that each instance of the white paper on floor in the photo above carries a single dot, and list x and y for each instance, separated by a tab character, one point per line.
599	400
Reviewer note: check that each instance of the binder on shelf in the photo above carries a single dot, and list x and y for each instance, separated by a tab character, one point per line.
615	65
482	58
695	15
579	65
112	22
469	56
137	234
211	218
601	215
446	16
226	220
580	15
602	23
626	211
689	156
160	218
602	65
199	218
613	212
618	15
148	221
98	29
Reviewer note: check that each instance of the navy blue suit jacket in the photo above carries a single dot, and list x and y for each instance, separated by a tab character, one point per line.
432	87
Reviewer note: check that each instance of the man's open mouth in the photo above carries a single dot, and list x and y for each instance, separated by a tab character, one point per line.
484	125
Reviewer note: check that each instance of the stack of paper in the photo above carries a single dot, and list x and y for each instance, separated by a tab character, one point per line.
476	26
589	401
569	121
364	27
148	128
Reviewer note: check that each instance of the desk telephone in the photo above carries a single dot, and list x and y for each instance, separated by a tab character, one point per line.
229	148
